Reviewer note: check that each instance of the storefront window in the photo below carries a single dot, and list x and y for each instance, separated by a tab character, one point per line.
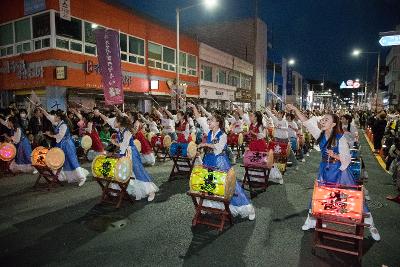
234	79
245	81
41	25
6	34
206	73
221	76
69	29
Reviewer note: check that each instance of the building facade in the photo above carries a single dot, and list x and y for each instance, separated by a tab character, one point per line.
57	58
225	79
392	78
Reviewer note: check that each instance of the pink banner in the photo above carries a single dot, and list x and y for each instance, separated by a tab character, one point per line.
108	54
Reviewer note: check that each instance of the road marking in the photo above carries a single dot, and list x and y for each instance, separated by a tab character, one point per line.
377	156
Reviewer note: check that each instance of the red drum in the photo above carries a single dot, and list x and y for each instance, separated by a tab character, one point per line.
279	149
259	145
157	141
258	159
235	139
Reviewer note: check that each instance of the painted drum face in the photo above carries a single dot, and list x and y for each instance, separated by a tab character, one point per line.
7	151
118	169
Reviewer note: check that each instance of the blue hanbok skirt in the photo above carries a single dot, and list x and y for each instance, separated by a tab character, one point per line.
22	162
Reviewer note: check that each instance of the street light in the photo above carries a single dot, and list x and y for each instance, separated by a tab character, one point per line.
209	4
358	52
291	62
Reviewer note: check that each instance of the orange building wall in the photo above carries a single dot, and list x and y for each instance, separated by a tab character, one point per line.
110	16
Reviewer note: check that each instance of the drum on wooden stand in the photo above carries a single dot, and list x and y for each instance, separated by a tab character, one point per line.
52	158
167	141
112	168
186	150
213	182
86	142
258	159
235	139
7	151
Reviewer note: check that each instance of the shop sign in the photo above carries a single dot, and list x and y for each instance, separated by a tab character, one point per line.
90	67
243	95
219	93
21	69
61	72
65	9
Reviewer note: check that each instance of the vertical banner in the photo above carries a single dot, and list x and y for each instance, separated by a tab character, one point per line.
182	97
108	54
65	9
172	88
289	87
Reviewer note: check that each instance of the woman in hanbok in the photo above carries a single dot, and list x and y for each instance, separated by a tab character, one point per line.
22	161
182	128
72	171
349	129
146	153
142	186
216	157
257	131
336	158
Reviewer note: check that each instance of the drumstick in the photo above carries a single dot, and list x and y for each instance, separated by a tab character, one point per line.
277	96
155	101
36	104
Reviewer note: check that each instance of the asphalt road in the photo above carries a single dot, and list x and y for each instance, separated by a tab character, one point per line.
67	226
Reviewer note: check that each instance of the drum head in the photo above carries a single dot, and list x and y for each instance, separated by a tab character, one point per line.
7	151
240	139
167	141
138	145
96	166
230	184
38	156
86	142
55	158
192	150
123	170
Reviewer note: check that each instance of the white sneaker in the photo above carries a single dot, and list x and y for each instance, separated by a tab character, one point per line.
151	196
297	168
82	181
252	216
303	160
35	171
310	223
374	233
308	154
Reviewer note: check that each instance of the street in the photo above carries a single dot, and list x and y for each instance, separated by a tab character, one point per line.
67	226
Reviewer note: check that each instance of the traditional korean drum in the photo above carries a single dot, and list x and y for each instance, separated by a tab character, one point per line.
186	150
114	169
337	204
258	159
52	158
7	151
86	142
355	153
355	169
280	149
213	182
235	139
167	141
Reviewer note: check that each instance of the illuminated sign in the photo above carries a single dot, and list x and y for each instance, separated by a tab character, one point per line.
390	40
350	84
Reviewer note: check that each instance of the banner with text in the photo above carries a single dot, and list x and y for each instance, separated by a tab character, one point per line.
65	9
109	57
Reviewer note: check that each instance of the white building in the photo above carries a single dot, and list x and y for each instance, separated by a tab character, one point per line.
392	78
224	78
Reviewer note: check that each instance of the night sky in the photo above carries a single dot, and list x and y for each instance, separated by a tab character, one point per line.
319	34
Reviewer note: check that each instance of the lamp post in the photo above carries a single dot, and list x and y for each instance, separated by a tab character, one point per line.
358	52
209	4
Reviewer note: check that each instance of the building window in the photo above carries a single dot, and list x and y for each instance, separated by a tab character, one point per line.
41	25
192	65
206	73
69	29
6	40
245	81
221	76
90	38
136	50
182	62
161	57
23	30
234	79
41	31
168	59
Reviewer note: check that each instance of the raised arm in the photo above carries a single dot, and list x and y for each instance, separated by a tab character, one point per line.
48	116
